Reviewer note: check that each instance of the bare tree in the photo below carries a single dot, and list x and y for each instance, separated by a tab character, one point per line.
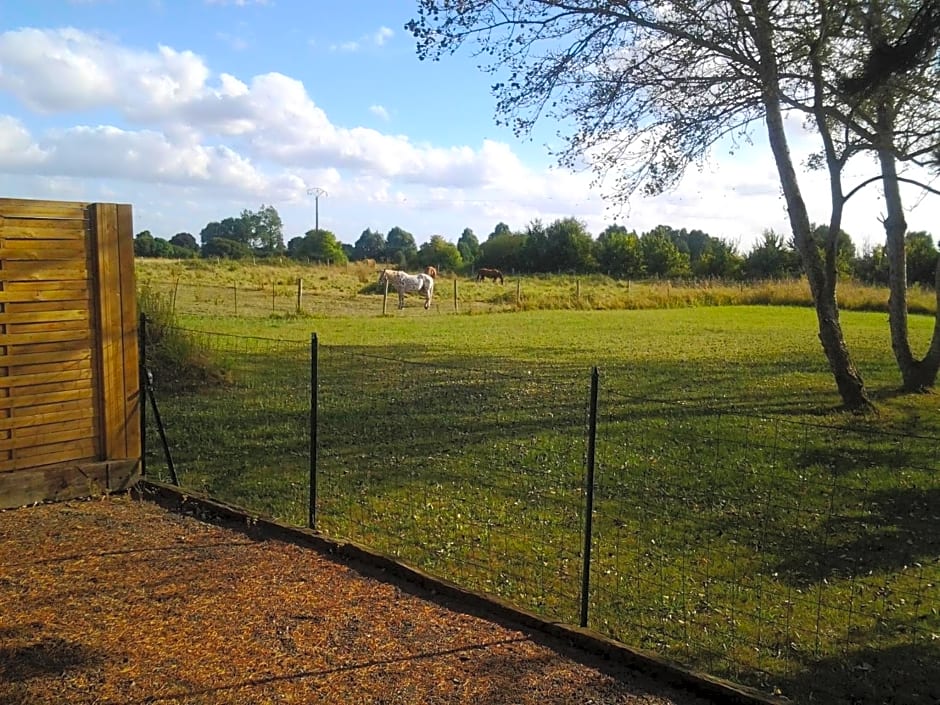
652	86
886	97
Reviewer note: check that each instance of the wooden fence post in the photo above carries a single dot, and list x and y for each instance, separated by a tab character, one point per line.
456	306
235	289
385	299
300	294
518	294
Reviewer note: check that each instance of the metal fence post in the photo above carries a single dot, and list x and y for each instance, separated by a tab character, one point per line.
142	386
314	359
589	501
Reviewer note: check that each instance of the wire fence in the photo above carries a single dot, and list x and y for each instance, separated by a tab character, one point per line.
311	297
797	558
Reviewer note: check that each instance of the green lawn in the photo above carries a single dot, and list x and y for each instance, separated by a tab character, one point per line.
743	524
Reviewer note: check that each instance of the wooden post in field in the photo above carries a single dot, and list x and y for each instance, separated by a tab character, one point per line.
385	299
273	294
518	294
300	294
577	290
235	289
456	306
176	291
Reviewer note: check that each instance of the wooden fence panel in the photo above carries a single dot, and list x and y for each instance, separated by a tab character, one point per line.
69	396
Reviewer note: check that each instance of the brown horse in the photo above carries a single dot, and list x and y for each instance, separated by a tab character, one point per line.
493	274
431	272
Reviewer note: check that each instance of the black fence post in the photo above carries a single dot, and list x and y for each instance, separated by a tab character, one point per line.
142	386
589	502
314	360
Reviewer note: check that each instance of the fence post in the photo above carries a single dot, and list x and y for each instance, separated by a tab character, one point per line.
273	295
518	294
176	291
235	289
300	295
314	374
385	299
589	502
577	290
456	306
142	385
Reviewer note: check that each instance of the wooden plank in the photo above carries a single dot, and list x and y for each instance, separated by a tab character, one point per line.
26	440
45	270
45	337
106	255
67	481
44	327
55	315
29	287
46	413
37	231
39	358
63	451
51	252
33	371
132	397
42	393
39	437
70	451
20	369
41	306
42	291
44	378
46	347
82	393
28	208
73	245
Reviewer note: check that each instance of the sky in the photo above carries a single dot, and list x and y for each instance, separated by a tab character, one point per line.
196	110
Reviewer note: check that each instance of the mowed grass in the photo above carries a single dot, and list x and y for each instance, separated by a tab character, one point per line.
735	531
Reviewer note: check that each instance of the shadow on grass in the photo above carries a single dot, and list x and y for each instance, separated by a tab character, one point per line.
890	530
898	675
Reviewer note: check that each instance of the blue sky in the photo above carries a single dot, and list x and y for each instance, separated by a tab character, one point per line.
195	110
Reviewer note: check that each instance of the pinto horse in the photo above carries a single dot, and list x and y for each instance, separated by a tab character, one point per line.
405	283
493	274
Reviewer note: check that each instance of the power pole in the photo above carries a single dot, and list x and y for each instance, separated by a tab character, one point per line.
316	192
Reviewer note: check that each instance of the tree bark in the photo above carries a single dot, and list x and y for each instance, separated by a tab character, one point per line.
916	375
847	377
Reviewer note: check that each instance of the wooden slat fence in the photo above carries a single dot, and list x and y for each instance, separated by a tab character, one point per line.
68	350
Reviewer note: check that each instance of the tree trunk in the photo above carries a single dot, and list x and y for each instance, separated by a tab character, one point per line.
916	375
822	283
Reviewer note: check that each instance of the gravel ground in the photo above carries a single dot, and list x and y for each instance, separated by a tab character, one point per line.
118	600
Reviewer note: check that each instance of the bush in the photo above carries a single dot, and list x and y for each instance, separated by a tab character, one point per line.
172	355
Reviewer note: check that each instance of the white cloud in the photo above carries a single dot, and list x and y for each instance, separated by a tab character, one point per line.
382	35
379	111
377	38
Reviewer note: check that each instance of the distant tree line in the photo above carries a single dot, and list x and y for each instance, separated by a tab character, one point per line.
563	246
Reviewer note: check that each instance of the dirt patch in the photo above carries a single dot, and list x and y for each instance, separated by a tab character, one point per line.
121	601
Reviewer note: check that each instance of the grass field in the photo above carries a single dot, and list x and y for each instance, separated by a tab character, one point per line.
743	525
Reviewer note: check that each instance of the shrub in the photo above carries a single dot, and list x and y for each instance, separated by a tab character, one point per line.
173	356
